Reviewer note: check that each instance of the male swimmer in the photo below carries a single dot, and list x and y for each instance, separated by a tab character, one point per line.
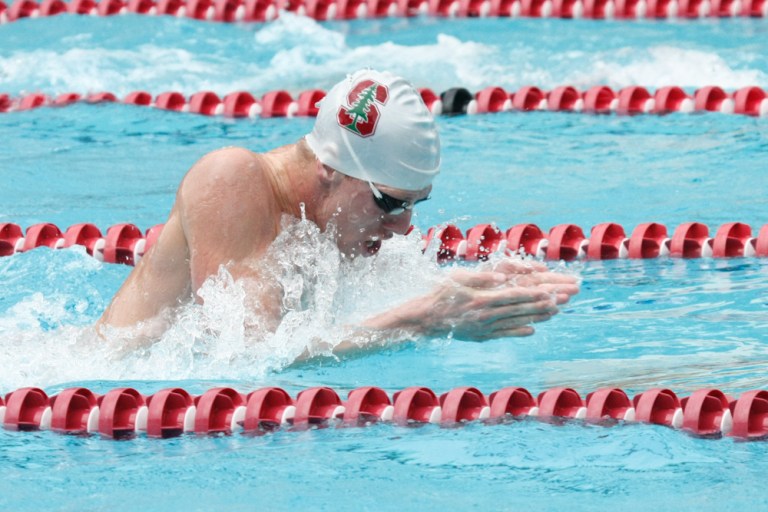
370	158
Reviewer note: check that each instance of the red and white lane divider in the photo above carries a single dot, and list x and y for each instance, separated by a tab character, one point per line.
604	100
123	243
631	100
126	243
605	241
322	10
235	104
124	412
211	10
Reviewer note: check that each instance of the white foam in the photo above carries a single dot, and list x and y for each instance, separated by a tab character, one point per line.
98	69
298	52
305	54
659	66
225	337
323	56
449	61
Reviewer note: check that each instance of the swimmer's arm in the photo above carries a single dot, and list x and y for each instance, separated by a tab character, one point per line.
480	305
471	305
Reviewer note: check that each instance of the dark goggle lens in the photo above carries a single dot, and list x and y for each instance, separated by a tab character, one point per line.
391	205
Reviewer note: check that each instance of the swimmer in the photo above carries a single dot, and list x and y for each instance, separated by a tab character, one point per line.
369	160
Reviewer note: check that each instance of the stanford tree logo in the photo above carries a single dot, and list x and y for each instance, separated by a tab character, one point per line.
363	114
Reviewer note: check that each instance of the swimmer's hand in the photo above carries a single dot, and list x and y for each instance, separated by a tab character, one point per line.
480	305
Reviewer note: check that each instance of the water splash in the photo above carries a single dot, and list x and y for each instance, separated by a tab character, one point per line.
323	296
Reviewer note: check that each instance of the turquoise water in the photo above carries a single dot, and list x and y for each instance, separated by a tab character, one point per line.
685	325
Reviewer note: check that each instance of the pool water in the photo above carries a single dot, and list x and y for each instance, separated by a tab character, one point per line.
682	324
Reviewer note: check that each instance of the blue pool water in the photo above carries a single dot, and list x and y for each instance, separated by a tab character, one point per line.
682	324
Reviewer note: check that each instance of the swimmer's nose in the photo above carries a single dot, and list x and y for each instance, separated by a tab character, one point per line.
398	223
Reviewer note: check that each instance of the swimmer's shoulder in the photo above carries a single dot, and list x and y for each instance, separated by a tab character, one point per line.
232	158
227	166
224	184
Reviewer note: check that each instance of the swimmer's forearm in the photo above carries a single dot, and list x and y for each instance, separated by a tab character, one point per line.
399	324
411	317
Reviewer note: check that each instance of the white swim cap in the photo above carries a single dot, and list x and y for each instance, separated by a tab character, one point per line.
375	127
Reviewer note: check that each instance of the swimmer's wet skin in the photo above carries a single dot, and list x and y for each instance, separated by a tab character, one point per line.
371	157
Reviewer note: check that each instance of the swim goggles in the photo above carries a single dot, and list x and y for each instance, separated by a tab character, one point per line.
392	205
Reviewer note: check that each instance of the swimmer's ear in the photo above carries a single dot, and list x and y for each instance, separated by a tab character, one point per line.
326	174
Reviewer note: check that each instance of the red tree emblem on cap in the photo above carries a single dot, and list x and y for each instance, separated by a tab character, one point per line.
363	114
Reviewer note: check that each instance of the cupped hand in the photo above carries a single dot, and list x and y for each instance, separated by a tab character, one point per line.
529	273
499	302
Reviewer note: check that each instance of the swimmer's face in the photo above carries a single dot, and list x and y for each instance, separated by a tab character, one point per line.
361	217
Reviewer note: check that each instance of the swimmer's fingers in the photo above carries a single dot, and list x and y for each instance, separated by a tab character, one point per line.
538	278
517	266
503	330
563	289
512	295
478	279
562	292
536	274
506	327
488	279
517	333
515	326
517	315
